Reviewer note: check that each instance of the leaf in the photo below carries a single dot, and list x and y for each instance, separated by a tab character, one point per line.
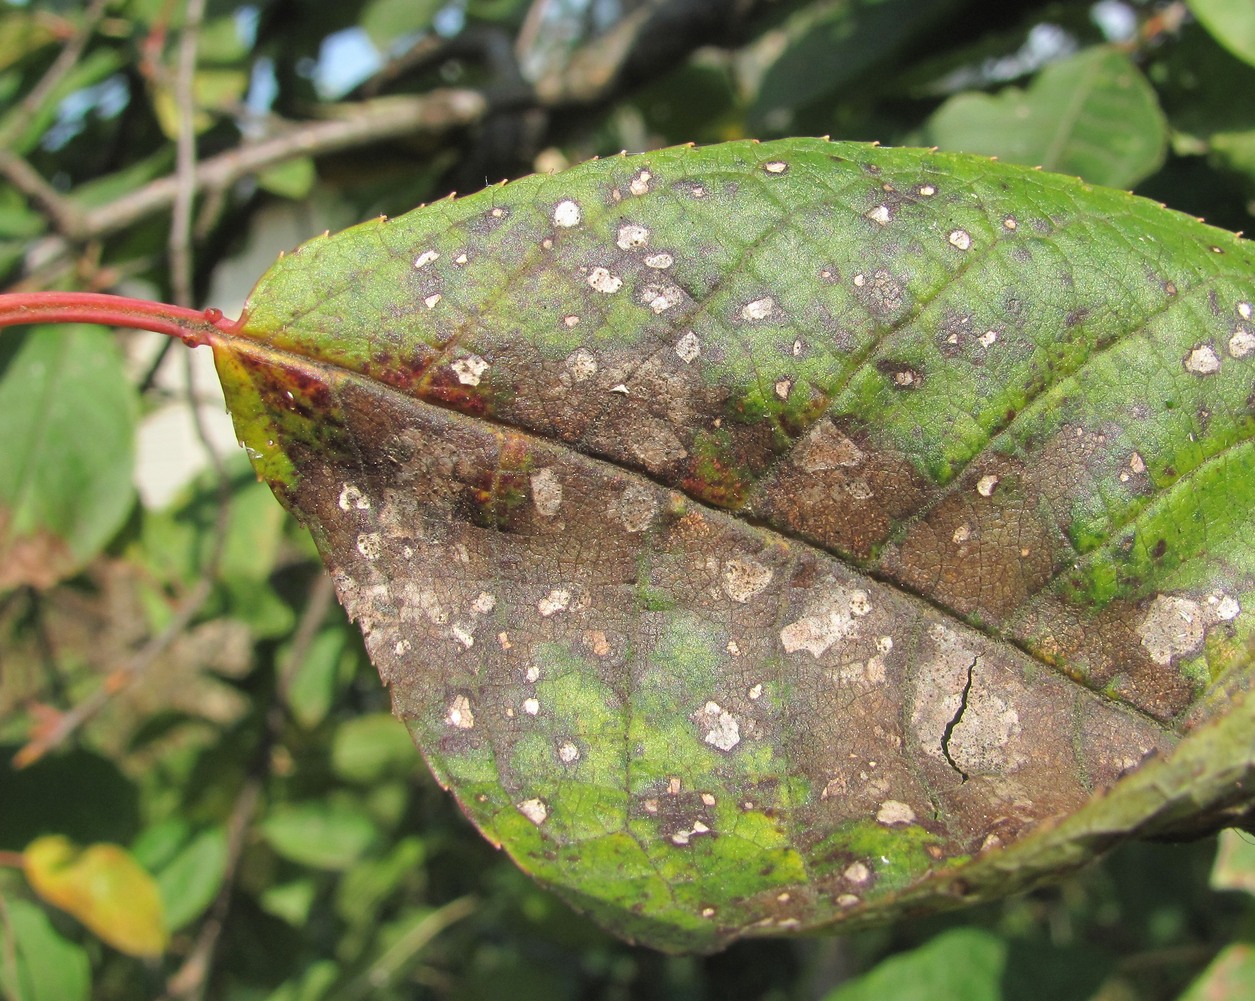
770	537
104	887
1231	23
330	833
36	963
1235	863
1094	115
965	964
63	494
1230	977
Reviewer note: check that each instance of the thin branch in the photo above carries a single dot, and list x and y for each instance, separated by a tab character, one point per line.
65	61
65	216
192	977
180	243
362	124
317	605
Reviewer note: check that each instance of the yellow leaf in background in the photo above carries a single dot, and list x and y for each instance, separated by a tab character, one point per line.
104	887
1234	868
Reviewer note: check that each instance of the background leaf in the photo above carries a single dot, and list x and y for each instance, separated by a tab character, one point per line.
1231	23
963	965
104	887
63	493
37	963
1093	115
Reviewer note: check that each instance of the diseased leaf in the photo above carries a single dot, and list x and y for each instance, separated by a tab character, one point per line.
1094	115
63	493
766	537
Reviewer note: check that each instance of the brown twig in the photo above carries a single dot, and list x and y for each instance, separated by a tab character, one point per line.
65	61
364	123
190	980
180	243
64	215
317	605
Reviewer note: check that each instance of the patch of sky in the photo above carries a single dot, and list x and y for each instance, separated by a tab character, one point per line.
106	100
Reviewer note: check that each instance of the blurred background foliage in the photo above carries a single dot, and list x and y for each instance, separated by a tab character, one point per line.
176	676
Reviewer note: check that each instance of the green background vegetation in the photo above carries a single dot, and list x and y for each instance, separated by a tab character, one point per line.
184	667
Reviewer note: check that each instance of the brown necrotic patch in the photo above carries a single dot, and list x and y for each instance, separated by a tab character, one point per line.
839	491
984	549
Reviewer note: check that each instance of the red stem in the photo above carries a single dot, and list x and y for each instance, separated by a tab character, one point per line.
194	327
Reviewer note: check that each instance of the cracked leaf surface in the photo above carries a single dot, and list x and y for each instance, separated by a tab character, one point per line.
772	535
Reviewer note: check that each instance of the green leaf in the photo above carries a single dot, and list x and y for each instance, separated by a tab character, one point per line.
36	963
961	965
1230	977
777	536
189	882
1094	115
1231	23
368	748
1235	863
330	833
63	493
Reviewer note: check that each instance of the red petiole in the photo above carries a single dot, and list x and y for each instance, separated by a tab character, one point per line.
194	327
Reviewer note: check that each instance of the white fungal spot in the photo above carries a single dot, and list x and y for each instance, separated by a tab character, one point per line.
660	298
759	309
462	634
828	620
497	213
635	508
352	496
568	752
857	873
688	347
582	364
470	369
783	387
708	799
460	259
797	348
640	183
892	812
1009	222
432	300
986	485
659	262
1137	463
546	492
402	648
859	280
534	810
601	280
962	534
1172	627
425	258
1203	360
708	912
632	236
988	338
620	388
960	239
720	727
1245	310
567	214
847	900
532	674
557	600
531	706
776	167
1242	343
483	603
743	578
880	214
927	190
756	692
571	320
1224	606
460	714
369	545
